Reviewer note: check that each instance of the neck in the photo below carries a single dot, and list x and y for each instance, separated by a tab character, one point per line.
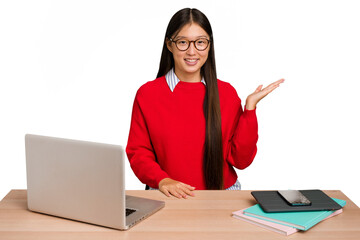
189	77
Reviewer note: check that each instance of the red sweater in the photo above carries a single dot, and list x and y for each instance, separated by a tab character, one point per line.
167	133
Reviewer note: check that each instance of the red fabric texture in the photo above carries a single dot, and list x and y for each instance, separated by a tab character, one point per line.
167	133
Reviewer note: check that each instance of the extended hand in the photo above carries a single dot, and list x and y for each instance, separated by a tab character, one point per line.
178	189
260	93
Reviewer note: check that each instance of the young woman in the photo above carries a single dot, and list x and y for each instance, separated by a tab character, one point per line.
188	129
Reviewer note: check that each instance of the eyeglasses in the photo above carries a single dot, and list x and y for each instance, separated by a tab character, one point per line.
183	44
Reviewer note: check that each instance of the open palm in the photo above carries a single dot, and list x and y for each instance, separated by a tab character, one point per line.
260	93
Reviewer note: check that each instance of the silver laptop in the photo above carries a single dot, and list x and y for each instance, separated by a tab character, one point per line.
82	181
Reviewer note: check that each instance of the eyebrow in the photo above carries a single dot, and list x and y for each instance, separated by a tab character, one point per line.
202	36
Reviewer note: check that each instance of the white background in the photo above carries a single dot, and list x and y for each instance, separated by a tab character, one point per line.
71	69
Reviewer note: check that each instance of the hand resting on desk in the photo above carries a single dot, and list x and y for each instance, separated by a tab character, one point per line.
178	189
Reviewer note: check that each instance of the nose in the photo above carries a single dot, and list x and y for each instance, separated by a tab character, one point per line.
191	50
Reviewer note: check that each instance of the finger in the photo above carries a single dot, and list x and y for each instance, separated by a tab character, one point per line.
184	195
181	190
166	192
271	88
268	90
189	186
274	85
258	89
175	193
280	80
181	193
277	83
188	192
186	186
265	92
185	190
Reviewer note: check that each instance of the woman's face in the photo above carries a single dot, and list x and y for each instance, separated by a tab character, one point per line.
190	61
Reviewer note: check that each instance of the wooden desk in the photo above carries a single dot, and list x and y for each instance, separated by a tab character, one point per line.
206	216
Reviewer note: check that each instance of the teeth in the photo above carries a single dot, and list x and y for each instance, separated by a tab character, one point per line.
191	60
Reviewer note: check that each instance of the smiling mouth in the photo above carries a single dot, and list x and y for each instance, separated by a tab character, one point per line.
191	62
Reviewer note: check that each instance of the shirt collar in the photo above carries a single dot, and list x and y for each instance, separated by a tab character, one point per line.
172	80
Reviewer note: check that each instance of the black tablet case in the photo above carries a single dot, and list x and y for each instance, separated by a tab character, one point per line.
271	201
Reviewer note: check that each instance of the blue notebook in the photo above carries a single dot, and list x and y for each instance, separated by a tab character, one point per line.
299	220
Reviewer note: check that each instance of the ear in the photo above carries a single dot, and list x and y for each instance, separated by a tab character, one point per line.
168	44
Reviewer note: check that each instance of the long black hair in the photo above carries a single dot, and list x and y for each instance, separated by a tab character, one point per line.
213	155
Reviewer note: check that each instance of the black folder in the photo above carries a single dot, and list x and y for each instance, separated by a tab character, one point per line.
271	201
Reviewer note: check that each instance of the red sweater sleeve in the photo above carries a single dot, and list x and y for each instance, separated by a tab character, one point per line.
243	141
140	151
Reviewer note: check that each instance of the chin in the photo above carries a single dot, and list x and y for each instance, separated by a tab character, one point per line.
192	69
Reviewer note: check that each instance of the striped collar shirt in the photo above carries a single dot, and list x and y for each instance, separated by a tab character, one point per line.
172	80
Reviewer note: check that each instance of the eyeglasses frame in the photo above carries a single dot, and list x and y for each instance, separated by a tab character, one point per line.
174	41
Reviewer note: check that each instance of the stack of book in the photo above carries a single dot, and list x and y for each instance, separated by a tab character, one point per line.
286	223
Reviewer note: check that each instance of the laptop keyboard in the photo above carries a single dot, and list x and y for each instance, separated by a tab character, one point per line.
129	211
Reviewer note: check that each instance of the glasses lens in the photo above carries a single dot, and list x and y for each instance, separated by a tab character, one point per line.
201	44
182	44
